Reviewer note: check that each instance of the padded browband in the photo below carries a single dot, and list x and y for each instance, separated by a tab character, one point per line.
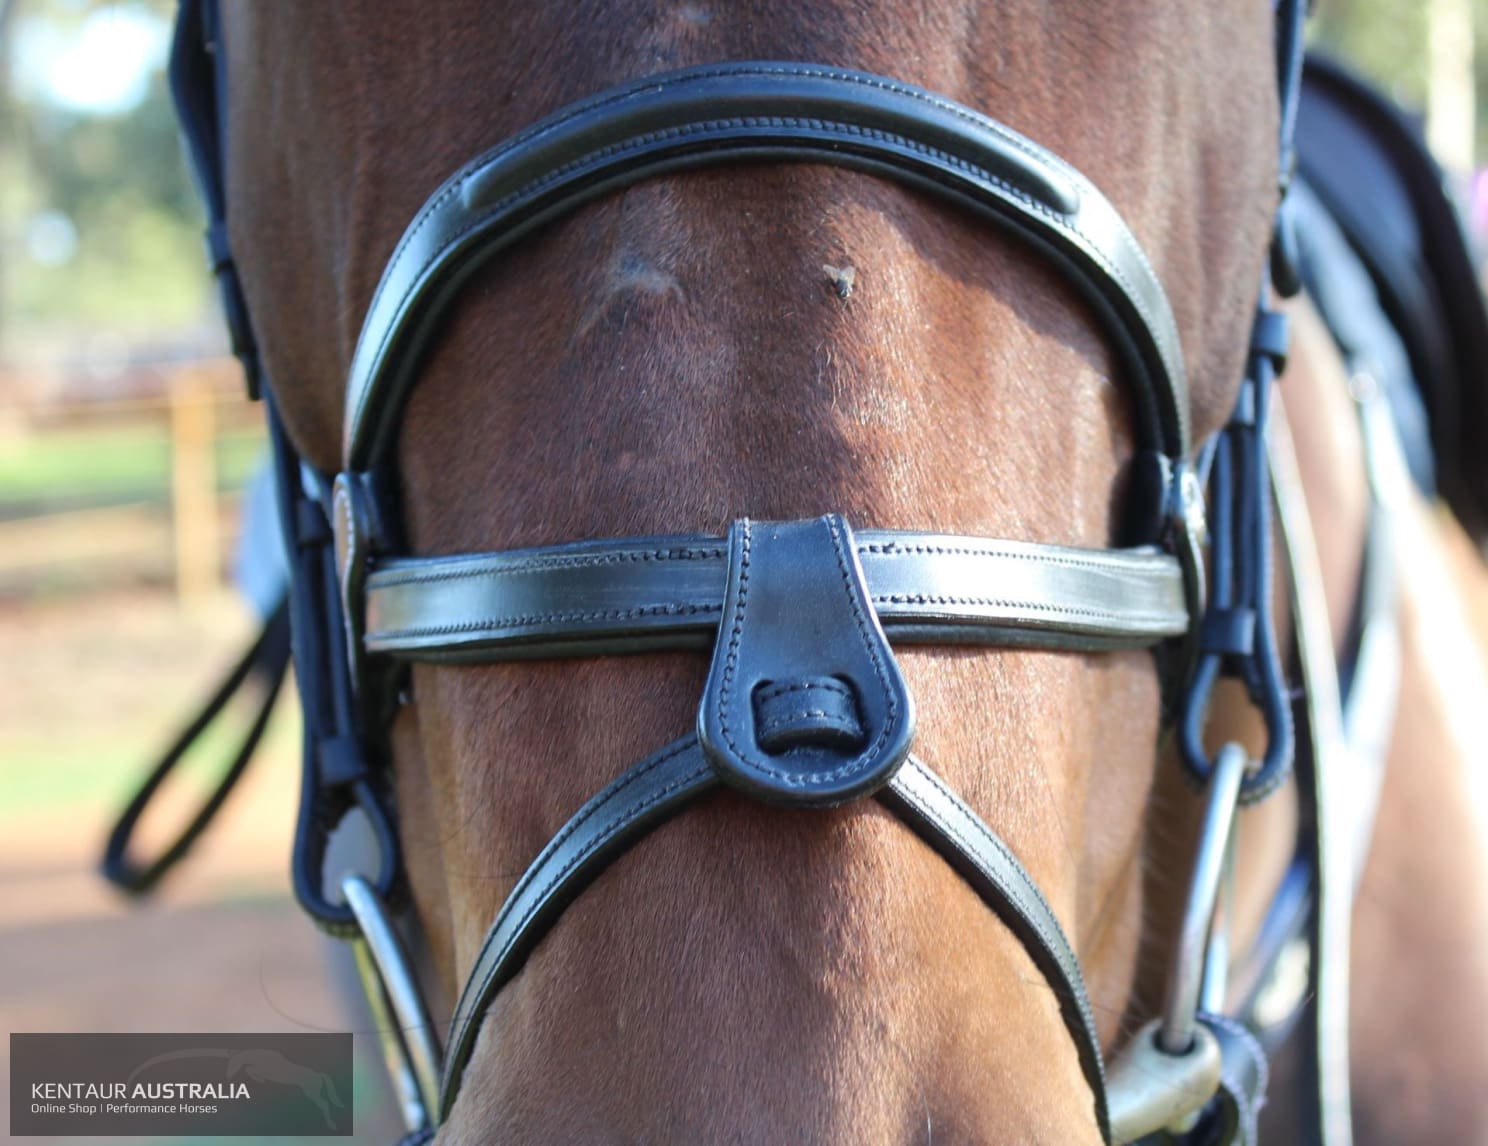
749	111
652	593
652	791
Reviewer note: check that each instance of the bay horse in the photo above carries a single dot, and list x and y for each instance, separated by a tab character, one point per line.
781	340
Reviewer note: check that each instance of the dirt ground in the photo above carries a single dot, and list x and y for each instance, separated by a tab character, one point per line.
89	688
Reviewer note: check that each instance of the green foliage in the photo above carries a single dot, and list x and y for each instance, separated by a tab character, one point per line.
1384	38
1388	41
112	463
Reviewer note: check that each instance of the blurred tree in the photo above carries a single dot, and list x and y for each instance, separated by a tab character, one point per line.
1389	41
8	159
99	225
1384	38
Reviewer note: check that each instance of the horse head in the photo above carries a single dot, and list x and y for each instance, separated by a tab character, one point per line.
772	340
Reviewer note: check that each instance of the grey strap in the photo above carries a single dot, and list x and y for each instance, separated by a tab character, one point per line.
1325	750
723	113
667	593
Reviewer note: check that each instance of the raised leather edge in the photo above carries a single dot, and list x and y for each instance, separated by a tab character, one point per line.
667	593
778	111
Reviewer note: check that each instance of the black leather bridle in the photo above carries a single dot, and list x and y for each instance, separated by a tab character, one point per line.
804	705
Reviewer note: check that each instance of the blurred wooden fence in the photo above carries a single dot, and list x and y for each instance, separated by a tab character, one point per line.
177	521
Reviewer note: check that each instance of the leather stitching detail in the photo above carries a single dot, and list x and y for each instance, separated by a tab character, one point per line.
1154	616
457	182
839	721
820	684
1126	618
1118	561
1165	337
807	710
1058	220
480	566
639	142
1055	941
494	565
517	622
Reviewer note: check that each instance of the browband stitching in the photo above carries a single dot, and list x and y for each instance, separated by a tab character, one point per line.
482	565
635	614
496	623
463	567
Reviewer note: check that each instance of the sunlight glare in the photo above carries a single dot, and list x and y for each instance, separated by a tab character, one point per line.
101	68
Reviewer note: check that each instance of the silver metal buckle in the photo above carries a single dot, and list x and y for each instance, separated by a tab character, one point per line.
357	534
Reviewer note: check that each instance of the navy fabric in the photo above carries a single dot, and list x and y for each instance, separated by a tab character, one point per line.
1339	285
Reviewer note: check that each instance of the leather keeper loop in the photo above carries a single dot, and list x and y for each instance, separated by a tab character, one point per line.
1271	335
807	712
1229	632
797	610
339	761
1147	498
311	527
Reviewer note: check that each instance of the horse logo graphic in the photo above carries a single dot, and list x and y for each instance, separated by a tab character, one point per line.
262	1066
